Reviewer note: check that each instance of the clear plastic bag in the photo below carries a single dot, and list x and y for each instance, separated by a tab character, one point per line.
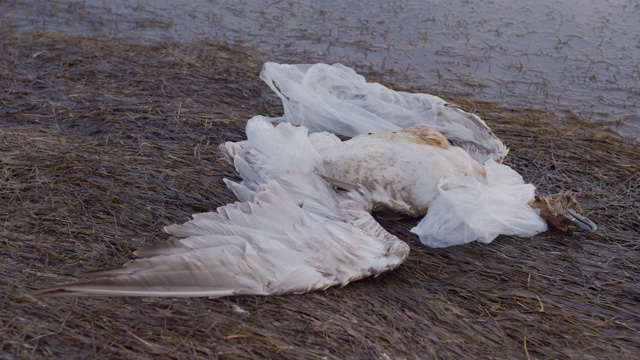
467	209
335	98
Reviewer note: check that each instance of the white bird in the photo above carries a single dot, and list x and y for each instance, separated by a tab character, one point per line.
304	220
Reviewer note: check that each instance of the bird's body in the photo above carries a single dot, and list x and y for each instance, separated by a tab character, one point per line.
401	169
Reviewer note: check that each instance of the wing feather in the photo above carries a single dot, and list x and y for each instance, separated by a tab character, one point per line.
249	249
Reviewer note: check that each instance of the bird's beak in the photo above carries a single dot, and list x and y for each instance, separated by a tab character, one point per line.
580	221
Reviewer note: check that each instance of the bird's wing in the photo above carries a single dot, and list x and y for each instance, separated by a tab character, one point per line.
291	233
265	246
336	99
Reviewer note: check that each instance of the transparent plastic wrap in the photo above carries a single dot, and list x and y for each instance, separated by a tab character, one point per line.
335	98
467	209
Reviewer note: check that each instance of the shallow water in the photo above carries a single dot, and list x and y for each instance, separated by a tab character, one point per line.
555	55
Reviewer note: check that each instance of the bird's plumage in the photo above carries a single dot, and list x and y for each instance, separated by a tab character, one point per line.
402	168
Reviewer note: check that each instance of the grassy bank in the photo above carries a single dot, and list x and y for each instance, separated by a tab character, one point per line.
102	143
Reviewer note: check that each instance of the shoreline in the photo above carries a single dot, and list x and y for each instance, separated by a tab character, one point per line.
105	142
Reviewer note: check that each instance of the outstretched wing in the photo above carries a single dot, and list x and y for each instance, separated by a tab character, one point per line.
265	246
291	233
336	99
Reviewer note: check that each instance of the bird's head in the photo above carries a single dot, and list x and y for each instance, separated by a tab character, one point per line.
563	212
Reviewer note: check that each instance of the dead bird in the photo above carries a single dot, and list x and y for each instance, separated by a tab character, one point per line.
303	221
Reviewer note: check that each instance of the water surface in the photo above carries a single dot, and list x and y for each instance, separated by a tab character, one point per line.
564	56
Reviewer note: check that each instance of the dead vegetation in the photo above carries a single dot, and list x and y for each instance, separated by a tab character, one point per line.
104	142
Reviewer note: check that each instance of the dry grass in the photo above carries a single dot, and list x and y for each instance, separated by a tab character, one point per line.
103	143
